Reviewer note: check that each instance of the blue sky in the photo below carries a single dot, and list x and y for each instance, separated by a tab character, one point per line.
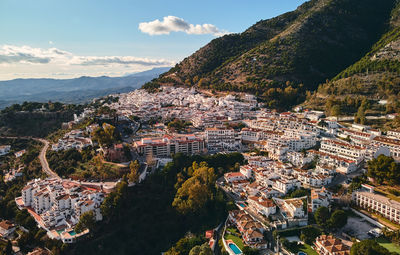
86	29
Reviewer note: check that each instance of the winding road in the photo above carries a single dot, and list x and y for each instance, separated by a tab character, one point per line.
42	155
43	160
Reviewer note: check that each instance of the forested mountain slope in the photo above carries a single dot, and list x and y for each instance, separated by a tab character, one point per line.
281	58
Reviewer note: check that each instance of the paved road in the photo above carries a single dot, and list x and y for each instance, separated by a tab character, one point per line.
42	155
43	159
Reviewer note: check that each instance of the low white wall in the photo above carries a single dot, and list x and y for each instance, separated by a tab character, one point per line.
367	218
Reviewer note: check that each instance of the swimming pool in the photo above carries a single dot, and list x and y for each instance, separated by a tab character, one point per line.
72	232
234	248
301	253
242	205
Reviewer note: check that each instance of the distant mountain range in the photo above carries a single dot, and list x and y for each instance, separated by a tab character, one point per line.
282	58
76	90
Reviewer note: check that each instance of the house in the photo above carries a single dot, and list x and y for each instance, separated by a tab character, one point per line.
319	198
234	176
7	228
247	171
5	149
261	205
251	230
19	153
329	245
115	153
291	208
39	251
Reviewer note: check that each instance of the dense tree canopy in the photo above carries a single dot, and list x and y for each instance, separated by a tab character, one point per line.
321	216
195	191
106	135
338	219
369	247
86	221
203	249
134	175
384	168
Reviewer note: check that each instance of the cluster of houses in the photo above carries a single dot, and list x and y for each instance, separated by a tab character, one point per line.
270	178
75	139
250	229
294	150
185	104
57	205
13	173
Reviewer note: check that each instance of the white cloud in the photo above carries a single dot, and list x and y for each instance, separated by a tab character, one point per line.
89	61
51	42
26	61
10	54
175	24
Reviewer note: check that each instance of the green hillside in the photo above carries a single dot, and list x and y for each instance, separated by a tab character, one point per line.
281	58
373	78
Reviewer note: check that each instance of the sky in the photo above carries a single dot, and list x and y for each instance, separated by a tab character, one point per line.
72	38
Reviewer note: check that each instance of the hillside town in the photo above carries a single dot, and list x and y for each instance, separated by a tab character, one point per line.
296	165
285	152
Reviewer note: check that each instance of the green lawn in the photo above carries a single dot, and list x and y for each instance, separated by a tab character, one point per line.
304	248
238	241
232	230
388	245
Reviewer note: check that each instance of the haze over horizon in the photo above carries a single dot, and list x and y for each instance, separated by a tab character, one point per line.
46	39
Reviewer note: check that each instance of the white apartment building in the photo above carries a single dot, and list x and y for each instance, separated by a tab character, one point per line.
388	208
314	180
250	135
392	144
298	159
285	184
299	140
340	164
343	149
168	145
259	161
358	137
276	149
220	139
59	203
395	134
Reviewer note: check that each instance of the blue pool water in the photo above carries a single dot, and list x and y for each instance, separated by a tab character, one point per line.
242	205
301	253
72	233
234	248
